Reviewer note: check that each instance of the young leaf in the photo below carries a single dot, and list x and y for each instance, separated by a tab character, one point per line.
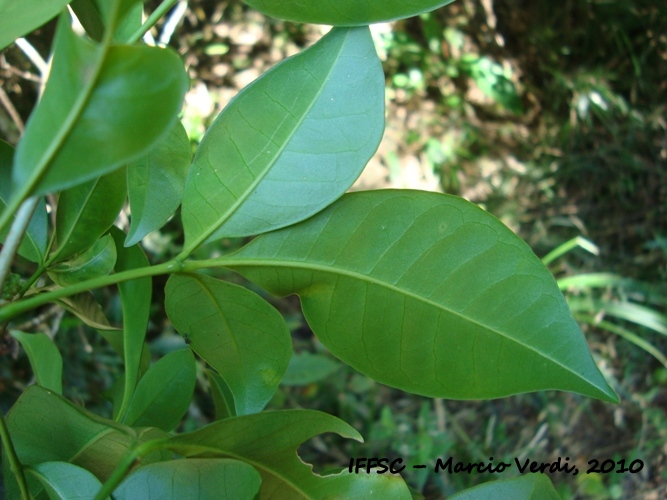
307	127
46	427
45	359
95	262
135	296
156	182
20	17
163	395
103	106
427	293
65	481
345	12
218	478
528	487
235	331
86	212
269	441
33	246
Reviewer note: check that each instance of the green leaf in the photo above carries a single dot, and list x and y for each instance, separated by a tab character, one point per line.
308	127
269	441
44	357
156	182
85	307
102	107
427	293
223	399
64	481
345	12
86	212
33	246
164	394
95	262
46	427
135	297
235	331
20	17
528	487
306	368
199	478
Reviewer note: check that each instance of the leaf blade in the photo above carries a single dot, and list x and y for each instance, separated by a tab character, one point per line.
45	359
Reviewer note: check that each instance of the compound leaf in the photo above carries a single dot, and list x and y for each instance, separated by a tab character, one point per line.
427	293
307	127
344	12
235	331
219	478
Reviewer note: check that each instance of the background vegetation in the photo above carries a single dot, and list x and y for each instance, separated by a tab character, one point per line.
549	114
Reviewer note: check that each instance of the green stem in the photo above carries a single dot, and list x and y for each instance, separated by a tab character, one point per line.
15	236
126	463
14	463
162	9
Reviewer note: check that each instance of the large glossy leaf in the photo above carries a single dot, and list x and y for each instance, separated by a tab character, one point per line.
45	359
428	293
214	478
95	262
20	17
34	242
344	12
526	487
164	394
307	127
47	428
103	106
269	441
64	481
135	297
235	331
86	212
156	182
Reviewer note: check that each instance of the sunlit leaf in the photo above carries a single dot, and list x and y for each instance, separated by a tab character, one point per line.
45	359
20	17
307	127
156	182
269	441
164	394
345	12
526	487
65	481
235	331
200	478
95	262
427	293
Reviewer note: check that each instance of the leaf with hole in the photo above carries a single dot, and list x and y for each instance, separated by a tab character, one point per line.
344	12
235	331
307	127
427	293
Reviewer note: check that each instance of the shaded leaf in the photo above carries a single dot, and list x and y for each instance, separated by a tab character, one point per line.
102	107
164	394
33	246
20	17
305	368
46	427
217	478
85	307
223	399
307	127
345	12
427	293
86	212
65	481
44	357
95	262
528	487
156	182
235	331
135	297
269	441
